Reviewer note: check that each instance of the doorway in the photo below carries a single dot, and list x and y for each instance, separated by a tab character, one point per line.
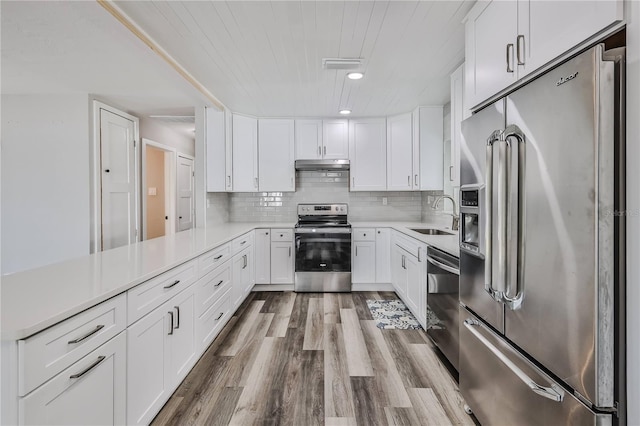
159	189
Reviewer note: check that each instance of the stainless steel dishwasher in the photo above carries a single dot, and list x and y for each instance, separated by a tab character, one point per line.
443	277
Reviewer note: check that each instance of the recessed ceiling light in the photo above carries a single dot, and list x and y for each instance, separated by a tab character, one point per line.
355	75
345	111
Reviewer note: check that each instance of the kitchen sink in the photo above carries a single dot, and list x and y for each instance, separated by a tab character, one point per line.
431	231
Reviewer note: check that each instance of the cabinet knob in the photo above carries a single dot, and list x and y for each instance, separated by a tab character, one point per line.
364	235
281	235
378	232
179	217
107	170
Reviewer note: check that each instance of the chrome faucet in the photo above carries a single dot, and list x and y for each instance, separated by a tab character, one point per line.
456	217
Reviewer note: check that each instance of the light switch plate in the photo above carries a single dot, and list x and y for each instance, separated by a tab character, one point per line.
152	191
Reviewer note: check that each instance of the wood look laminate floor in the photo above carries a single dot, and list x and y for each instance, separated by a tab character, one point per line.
315	359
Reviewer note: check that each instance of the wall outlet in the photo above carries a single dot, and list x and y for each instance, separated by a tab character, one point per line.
384	201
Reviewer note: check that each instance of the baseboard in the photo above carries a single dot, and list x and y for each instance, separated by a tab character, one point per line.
273	287
372	287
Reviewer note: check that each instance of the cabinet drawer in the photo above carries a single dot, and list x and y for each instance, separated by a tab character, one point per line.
242	242
208	325
211	286
411	245
212	259
89	392
149	295
47	353
364	234
282	235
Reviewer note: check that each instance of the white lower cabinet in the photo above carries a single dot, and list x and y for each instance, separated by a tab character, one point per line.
89	392
160	352
263	256
282	262
363	260
383	255
208	325
243	276
409	274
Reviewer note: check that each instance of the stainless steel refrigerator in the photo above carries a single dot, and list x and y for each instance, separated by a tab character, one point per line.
542	249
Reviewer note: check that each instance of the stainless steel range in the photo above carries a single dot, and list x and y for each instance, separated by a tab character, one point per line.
323	248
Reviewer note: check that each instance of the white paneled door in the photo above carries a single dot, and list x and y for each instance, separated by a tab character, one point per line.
185	192
118	176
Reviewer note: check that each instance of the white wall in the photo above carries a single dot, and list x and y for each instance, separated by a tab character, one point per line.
161	133
45	179
633	216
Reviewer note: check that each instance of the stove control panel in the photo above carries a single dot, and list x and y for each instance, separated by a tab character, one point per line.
322	209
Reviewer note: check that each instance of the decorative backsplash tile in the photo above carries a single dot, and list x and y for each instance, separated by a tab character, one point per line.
323	187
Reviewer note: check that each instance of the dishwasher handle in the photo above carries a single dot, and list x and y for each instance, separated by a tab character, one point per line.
441	265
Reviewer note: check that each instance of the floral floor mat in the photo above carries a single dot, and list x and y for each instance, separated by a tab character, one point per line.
392	314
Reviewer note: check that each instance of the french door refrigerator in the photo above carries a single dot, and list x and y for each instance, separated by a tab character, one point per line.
542	249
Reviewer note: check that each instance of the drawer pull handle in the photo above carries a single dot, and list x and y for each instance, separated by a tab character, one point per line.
220	316
172	285
218	257
89	334
89	368
243	242
218	285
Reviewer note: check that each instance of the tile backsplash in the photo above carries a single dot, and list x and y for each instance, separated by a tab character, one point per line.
324	187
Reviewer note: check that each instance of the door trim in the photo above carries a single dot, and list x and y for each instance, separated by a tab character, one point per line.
172	193
95	223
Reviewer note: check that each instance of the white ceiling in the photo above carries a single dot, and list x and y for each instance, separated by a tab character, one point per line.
265	57
78	47
262	58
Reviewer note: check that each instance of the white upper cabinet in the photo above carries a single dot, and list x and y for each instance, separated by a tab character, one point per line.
491	30
507	40
458	113
218	150
368	154
400	152
245	154
559	26
335	139
308	139
276	169
428	125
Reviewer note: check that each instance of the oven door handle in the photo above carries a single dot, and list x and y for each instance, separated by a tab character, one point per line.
441	265
323	231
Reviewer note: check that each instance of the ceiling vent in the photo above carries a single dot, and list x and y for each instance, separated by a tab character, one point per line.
341	63
174	118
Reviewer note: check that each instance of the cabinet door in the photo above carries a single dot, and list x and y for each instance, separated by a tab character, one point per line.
548	29
364	257
368	154
383	255
245	154
457	115
237	287
431	143
183	340
148	386
228	137
282	262
412	268
95	397
335	139
263	256
308	139
490	27
399	153
276	160
399	272
248	272
215	141
422	291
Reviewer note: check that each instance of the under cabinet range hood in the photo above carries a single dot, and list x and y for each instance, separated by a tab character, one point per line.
322	164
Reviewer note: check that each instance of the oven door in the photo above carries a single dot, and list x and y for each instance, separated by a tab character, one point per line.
323	259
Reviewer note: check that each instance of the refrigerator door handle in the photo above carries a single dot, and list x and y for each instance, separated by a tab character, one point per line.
553	393
494	262
515	215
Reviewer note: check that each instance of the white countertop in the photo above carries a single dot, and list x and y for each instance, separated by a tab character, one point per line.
39	298
447	243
